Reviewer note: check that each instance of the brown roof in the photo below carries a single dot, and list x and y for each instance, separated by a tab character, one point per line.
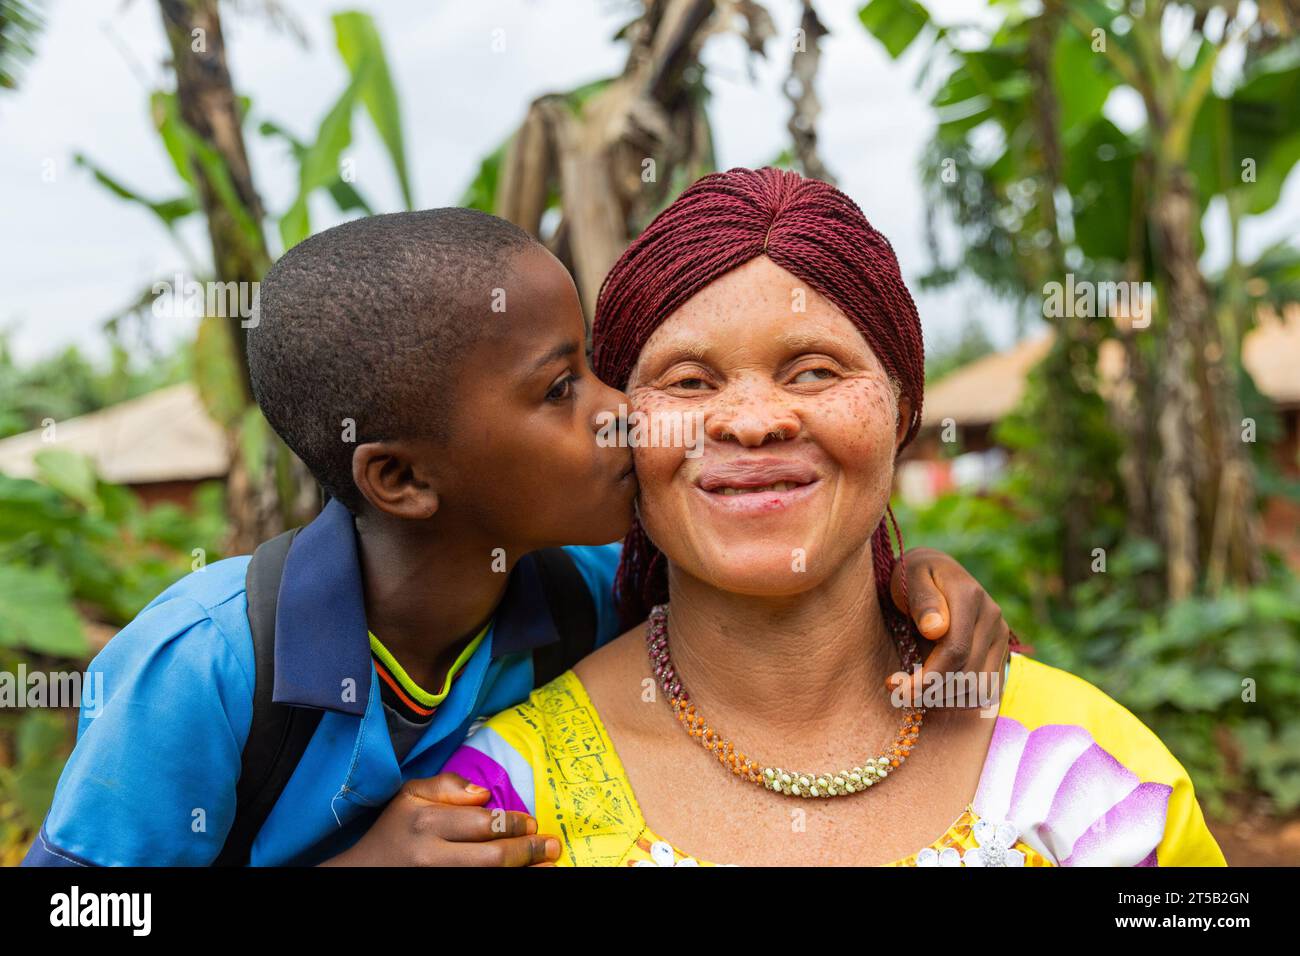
1271	351
166	435
985	390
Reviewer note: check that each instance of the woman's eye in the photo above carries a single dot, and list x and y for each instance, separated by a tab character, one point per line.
821	375
561	390
691	384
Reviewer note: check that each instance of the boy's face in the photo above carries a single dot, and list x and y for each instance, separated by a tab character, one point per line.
525	468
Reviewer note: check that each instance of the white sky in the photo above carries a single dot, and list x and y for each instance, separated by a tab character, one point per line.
71	253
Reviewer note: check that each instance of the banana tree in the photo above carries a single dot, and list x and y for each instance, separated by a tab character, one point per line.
201	127
21	21
1041	182
586	170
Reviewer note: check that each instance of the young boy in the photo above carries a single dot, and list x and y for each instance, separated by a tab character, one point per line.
429	368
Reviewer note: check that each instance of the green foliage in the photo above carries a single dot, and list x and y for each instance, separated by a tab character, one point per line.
1185	670
895	23
187	147
37	612
216	371
71	543
75	549
21	22
1221	673
1244	142
1009	549
481	193
363	51
39	741
167	210
1258	124
1065	450
369	84
68	384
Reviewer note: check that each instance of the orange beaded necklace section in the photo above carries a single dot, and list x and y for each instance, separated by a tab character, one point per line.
838	784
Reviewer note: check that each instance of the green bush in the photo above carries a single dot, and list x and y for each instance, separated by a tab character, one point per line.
75	550
1216	677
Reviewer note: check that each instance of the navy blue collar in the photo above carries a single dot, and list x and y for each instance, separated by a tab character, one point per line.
322	645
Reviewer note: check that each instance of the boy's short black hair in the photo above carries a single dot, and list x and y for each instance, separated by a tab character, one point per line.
366	322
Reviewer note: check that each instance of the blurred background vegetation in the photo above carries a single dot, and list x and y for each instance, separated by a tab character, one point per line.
1146	468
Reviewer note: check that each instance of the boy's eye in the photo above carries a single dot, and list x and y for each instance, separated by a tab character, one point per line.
562	389
821	374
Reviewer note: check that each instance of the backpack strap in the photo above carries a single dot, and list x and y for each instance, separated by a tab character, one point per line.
572	610
279	732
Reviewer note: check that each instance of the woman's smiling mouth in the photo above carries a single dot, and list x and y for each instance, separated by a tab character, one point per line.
778	486
756	485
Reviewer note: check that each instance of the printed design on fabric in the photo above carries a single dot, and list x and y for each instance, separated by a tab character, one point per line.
972	835
596	815
1068	798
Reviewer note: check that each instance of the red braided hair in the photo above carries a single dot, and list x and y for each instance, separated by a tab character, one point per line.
805	226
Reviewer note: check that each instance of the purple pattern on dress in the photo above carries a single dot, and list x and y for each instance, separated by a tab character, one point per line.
999	774
1072	801
1128	833
477	767
1095	779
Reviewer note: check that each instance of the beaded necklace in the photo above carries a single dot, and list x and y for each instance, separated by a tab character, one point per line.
788	782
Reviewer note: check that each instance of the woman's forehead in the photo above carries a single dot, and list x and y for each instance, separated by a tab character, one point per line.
758	299
700	336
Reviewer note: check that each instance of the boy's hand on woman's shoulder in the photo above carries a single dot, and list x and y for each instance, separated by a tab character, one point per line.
952	609
441	821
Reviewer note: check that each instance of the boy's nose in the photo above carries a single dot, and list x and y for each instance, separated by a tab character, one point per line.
609	402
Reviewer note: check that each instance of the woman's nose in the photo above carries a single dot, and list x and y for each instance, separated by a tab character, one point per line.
752	419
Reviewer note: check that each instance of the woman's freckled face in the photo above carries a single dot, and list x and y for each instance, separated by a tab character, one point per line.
755	512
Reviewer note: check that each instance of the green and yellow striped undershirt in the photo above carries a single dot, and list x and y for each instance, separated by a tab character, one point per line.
418	703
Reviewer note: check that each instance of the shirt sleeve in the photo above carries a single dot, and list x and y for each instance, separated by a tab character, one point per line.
1187	839
598	565
166	708
500	758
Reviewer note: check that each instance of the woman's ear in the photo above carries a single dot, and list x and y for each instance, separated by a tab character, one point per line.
392	476
904	420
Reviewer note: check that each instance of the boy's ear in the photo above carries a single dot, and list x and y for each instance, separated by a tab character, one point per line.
391	475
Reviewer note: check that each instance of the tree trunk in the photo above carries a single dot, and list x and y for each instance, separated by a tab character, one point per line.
613	162
1206	483
1072	360
802	93
262	497
209	107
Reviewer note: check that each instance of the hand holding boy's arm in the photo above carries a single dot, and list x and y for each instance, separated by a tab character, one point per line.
951	608
441	821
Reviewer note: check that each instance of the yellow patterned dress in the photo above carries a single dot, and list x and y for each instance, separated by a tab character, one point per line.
1071	778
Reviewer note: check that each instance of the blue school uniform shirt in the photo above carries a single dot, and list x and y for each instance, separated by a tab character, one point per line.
151	780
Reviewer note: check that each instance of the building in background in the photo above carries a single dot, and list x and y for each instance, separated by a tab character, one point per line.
964	405
162	445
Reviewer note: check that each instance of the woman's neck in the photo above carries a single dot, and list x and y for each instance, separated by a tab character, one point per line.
789	665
